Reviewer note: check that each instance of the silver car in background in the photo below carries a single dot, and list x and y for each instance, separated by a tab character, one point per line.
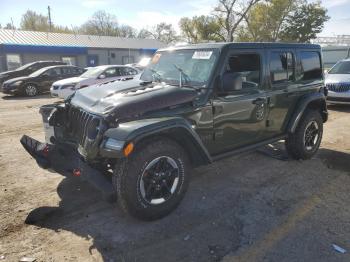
338	83
95	75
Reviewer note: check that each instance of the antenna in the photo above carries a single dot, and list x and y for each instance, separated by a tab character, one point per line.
49	16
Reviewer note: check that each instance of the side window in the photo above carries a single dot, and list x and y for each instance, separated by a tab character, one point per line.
53	72
242	68
112	72
310	65
125	71
67	70
281	67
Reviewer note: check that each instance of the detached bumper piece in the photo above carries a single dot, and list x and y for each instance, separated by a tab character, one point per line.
66	162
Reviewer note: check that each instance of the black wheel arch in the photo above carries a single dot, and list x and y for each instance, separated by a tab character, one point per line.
174	128
314	101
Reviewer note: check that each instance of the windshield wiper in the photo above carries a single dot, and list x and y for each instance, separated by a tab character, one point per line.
155	72
182	75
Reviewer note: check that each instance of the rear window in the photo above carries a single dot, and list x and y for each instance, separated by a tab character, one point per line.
311	65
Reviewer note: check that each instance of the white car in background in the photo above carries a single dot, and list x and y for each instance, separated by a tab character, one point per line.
95	75
338	83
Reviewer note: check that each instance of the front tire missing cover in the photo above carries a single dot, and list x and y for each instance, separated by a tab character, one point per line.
153	180
306	140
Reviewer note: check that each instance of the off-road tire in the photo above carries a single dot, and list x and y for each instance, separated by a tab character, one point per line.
128	172
30	90
295	144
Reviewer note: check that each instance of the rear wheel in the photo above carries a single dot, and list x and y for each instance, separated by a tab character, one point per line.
153	180
306	139
31	90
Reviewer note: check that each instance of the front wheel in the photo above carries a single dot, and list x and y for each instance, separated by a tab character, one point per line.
30	90
153	180
306	140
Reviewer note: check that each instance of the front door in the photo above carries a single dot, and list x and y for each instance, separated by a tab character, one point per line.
240	115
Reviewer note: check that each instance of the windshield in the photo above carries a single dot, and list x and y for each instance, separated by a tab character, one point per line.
341	68
24	66
38	72
93	72
182	67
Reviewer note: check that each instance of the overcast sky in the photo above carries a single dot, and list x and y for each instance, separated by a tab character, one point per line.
143	13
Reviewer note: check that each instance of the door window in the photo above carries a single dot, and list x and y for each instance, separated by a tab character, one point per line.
128	71
112	72
281	67
244	69
53	72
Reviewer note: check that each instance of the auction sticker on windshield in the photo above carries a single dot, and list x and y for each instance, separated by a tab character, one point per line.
202	55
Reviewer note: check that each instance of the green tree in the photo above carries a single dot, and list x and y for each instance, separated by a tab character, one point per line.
201	29
283	20
265	21
305	23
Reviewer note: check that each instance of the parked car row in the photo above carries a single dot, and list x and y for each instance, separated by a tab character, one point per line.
60	79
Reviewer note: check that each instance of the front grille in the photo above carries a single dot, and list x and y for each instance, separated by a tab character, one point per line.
82	125
339	87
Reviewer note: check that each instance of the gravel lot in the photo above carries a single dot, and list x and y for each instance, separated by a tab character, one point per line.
250	207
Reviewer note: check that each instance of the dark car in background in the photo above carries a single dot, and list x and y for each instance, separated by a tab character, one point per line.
27	69
40	81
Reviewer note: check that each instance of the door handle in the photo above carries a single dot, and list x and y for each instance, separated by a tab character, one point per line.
259	101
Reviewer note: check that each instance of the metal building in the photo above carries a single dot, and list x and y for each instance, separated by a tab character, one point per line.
21	47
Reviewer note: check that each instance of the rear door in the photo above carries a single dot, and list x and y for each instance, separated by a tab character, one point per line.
283	90
239	116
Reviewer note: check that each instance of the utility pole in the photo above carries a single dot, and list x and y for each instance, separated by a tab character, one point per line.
49	16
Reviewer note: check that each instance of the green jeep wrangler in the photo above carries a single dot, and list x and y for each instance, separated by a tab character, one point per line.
138	140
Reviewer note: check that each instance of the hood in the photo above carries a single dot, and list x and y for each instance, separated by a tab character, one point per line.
21	78
71	80
126	99
337	78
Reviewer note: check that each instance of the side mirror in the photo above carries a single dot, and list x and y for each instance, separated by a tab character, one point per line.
325	71
102	76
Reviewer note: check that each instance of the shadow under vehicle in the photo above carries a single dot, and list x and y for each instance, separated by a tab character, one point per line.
195	104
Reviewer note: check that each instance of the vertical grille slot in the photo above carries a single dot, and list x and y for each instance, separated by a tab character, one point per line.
79	124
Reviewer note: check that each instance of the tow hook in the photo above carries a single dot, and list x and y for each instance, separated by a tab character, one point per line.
76	172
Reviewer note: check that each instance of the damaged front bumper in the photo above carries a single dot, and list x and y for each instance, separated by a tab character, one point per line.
67	162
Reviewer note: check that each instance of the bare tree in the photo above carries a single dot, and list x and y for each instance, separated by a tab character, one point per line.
163	32
230	14
101	23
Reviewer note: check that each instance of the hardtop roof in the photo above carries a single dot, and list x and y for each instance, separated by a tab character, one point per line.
242	45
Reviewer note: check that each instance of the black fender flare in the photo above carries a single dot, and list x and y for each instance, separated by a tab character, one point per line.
176	128
317	100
